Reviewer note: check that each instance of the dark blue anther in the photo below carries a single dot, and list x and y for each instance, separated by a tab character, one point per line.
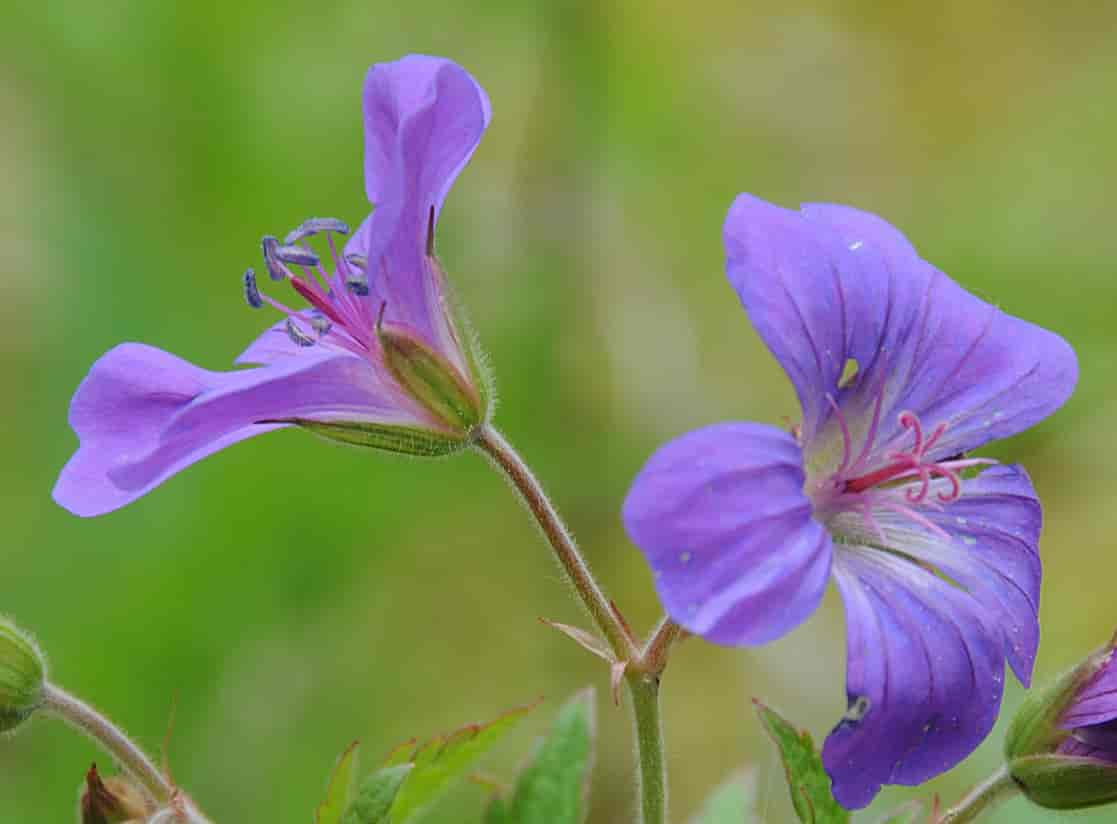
313	226
251	293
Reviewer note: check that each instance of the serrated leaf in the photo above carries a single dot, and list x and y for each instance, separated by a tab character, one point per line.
554	786
806	779
340	787
733	802
374	799
904	814
440	761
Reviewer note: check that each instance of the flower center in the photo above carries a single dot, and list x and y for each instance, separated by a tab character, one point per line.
901	482
340	314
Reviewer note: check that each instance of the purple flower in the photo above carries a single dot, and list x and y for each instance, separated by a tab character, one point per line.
900	373
1091	717
377	358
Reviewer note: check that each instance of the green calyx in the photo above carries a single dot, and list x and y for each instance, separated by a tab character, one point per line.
405	440
1061	782
431	380
1035	727
22	675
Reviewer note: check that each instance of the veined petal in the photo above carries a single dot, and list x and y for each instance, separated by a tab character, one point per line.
721	516
424	116
1096	700
831	284
143	414
987	543
924	678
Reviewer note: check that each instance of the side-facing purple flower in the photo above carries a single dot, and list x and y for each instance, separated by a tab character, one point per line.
900	373
378	358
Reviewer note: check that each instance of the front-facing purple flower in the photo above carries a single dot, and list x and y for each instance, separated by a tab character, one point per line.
900	374
376	358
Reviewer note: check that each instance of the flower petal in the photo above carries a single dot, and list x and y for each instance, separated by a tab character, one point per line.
424	116
143	414
832	284
924	676
990	549
1096	700
721	516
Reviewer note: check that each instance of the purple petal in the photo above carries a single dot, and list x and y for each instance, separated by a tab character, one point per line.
924	676
992	551
424	116
832	284
143	414
721	516
1099	742
1096	701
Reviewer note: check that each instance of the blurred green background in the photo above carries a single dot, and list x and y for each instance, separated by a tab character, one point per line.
290	595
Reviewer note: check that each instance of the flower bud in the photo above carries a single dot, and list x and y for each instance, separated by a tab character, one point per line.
22	674
1062	744
112	801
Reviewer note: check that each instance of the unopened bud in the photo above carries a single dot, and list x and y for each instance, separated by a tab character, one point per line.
22	674
112	801
1062	745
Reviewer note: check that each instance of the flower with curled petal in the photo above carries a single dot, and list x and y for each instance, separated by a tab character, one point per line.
377	359
900	374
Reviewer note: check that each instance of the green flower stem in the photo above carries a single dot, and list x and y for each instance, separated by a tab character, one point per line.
644	689
644	665
983	798
493	444
131	758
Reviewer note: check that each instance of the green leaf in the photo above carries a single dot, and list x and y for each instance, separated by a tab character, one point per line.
440	761
339	789
732	802
806	779
553	787
374	799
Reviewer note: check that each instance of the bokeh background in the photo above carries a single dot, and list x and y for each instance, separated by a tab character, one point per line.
288	595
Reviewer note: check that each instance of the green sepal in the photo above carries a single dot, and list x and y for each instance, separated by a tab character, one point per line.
806	778
732	802
554	787
406	440
1035	726
373	803
430	379
22	675
340	788
1060	782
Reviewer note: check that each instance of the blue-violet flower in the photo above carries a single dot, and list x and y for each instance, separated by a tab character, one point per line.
377	359
900	373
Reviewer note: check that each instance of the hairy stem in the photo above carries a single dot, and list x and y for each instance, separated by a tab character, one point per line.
130	757
982	798
493	444
645	665
644	689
